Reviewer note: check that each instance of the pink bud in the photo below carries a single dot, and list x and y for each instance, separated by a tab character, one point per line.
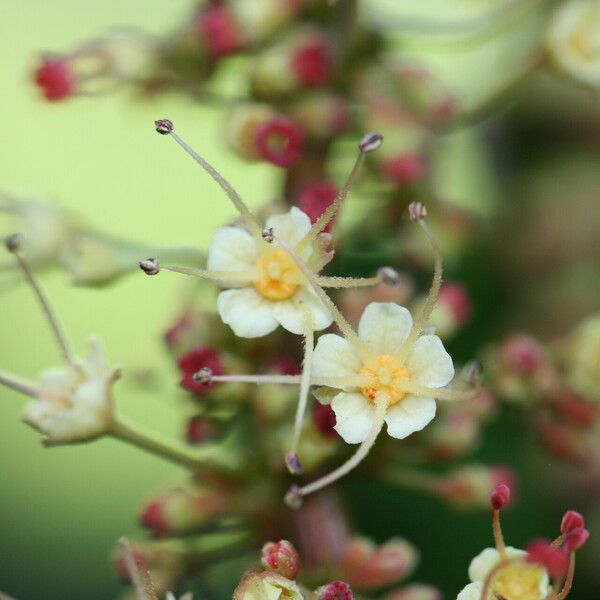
416	591
500	496
404	169
576	538
455	296
312	64
199	429
193	361
281	557
336	590
219	32
55	78
316	198
571	520
554	560
522	353
279	141
153	518
576	410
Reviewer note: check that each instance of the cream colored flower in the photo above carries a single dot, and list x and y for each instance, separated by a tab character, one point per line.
266	586
573	40
583	359
73	402
518	580
407	377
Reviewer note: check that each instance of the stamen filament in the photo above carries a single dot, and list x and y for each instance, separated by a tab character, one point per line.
339	319
144	590
348	282
250	220
485	592
498	537
439	393
48	312
381	406
568	584
19	385
309	341
432	296
233	276
335	382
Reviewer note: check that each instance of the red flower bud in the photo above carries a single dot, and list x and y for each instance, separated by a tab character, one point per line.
192	362
282	558
324	420
199	429
312	64
219	32
55	78
316	198
522	353
576	538
500	496
153	518
404	169
554	560
336	590
279	141
571	520
455	296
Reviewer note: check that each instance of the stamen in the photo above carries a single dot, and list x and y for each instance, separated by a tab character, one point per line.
19	385
498	537
13	244
369	143
381	406
439	393
348	282
224	276
139	576
485	592
309	341
339	319
259	379
568	584
417	213
165	127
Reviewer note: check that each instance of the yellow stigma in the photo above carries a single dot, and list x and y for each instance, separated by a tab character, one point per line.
519	582
277	275
386	375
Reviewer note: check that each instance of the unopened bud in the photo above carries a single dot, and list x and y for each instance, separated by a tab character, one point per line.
416	591
417	211
571	520
389	276
267	235
336	590
150	266
471	373
281	557
13	242
203	376
576	539
370	142
500	496
164	126
199	429
293	463
293	497
522	353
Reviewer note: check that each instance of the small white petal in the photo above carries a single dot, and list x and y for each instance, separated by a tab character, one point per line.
290	227
246	312
384	326
290	312
409	415
232	249
487	559
428	362
325	395
471	592
334	356
354	416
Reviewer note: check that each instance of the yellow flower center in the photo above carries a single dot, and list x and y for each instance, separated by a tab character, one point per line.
277	275
519	582
386	375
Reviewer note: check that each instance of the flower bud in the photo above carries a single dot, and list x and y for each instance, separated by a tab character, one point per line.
367	567
583	358
279	141
452	310
315	199
192	362
575	539
500	496
522	353
336	590
576	410
403	169
416	591
179	511
453	434
322	115
55	78
199	429
571	520
266	586
281	557
554	560
219	31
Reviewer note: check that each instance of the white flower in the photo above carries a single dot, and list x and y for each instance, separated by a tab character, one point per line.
275	292
409	380
573	40
516	581
583	358
266	586
73	402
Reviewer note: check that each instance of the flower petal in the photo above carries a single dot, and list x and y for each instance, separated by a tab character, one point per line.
232	249
487	559
290	312
428	362
410	415
334	356
246	312
325	395
384	326
471	591
354	416
290	227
